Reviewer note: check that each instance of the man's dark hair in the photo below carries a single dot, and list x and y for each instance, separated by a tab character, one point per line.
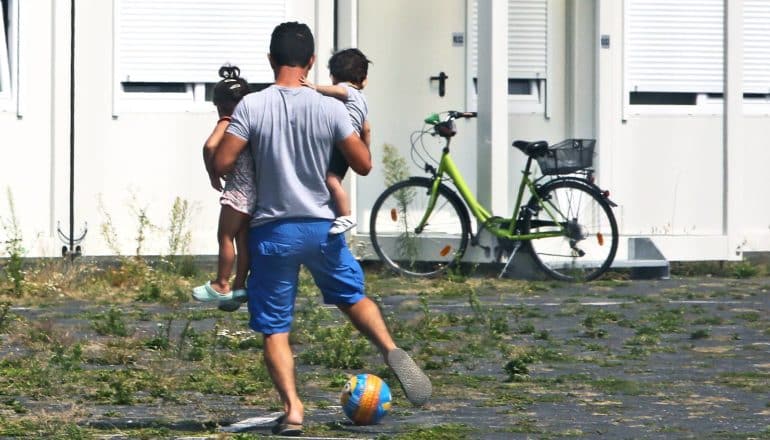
292	44
349	65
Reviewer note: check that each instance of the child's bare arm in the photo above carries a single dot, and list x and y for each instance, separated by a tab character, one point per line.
338	92
366	133
335	91
210	148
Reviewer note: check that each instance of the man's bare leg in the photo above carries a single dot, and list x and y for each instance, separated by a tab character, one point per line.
280	364
366	317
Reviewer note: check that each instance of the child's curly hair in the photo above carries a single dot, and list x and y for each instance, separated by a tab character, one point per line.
232	88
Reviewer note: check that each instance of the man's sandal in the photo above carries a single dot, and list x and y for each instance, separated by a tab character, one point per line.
286	429
414	382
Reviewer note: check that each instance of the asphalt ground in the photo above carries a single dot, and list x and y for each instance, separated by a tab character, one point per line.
687	357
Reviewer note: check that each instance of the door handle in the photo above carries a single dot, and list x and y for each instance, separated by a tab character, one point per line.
441	78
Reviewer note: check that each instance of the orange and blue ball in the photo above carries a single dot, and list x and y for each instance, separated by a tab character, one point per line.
365	399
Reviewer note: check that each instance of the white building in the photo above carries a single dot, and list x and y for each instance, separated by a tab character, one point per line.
677	93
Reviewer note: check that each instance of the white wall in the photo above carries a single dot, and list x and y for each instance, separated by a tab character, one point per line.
136	159
756	179
405	53
665	171
666	167
26	134
553	124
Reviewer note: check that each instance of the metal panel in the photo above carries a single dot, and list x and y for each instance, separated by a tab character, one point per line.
756	49
188	40
527	31
675	46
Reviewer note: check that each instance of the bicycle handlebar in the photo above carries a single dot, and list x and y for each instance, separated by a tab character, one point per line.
435	118
456	115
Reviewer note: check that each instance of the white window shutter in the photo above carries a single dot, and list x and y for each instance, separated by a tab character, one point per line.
527	38
674	46
188	40
756	46
527	27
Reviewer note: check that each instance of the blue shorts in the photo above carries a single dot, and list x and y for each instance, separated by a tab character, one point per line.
277	249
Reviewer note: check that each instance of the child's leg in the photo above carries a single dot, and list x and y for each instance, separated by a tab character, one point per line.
230	223
344	220
242	262
338	194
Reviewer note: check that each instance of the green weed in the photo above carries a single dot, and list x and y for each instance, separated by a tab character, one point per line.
611	385
753	381
111	323
67	358
708	320
336	347
395	167
5	307
179	230
162	338
701	333
107	228
142	227
744	269
451	431
518	367
179	240
14	248
748	316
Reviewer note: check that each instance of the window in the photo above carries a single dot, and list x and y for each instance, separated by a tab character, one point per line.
167	53
674	54
5	48
527	54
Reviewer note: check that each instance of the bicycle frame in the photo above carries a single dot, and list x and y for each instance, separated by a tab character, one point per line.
495	225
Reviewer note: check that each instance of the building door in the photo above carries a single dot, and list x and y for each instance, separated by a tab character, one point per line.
409	43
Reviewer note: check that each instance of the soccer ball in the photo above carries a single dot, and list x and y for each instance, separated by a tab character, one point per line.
365	399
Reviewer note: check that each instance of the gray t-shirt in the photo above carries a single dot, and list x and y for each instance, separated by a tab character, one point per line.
291	133
356	106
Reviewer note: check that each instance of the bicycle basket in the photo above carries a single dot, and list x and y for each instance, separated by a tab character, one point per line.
567	156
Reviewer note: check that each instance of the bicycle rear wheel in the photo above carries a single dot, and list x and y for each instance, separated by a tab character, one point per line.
437	247
589	241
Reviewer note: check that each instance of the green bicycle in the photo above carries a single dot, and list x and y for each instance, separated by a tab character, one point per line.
421	227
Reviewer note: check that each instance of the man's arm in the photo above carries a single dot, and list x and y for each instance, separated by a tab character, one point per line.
227	153
357	155
366	134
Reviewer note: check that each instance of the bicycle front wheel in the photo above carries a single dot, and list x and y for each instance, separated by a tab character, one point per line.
439	245
588	241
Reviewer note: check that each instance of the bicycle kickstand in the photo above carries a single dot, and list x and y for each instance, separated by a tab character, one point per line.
516	247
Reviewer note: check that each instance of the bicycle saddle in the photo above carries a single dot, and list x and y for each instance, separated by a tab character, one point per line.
535	149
